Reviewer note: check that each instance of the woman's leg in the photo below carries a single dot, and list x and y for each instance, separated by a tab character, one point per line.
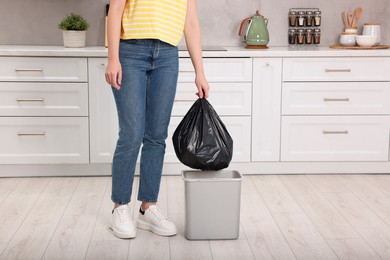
160	97
131	104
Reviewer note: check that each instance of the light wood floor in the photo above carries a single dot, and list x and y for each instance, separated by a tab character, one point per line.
282	217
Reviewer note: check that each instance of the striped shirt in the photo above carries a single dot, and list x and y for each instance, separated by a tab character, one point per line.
154	19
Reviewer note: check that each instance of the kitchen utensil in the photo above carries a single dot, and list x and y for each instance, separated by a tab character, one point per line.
366	40
373	29
350	19
256	34
345	19
356	17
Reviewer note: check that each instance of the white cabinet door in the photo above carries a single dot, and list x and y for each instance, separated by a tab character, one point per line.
43	140
43	99
336	69
267	77
228	99
335	138
103	116
239	130
218	70
43	69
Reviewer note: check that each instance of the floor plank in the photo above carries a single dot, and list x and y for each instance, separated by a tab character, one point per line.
303	237
381	182
275	194
73	234
183	249
326	218
367	192
6	185
16	206
263	234
370	227
327	183
33	236
353	248
2	247
231	250
113	250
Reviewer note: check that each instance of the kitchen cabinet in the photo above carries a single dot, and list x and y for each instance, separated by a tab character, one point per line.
266	100
231	97
43	110
335	109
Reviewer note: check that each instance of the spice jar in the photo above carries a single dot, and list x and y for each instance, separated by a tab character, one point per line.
301	19
309	36
301	36
293	18
317	18
292	36
317	36
309	18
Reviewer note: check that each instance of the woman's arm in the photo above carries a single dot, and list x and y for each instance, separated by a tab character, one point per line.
114	69
194	46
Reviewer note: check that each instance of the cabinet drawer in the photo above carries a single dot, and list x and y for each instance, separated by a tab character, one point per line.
226	98
43	99
239	129
336	69
43	140
218	70
341	138
336	98
43	69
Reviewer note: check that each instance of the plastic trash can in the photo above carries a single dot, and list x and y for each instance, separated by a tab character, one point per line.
212	204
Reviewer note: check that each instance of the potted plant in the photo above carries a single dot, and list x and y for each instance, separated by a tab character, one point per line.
74	29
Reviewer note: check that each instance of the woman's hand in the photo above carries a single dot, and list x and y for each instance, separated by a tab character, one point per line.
114	74
203	86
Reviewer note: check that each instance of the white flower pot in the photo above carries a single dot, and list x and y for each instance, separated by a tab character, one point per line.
74	39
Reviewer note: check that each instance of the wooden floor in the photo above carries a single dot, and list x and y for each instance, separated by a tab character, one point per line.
282	217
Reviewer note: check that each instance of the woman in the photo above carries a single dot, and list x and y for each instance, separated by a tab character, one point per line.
142	69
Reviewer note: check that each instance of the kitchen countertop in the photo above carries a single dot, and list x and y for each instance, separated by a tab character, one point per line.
100	51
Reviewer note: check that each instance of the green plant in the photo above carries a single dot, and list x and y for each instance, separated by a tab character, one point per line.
73	22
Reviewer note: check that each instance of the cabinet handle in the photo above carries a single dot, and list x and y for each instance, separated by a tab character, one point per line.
336	99
325	132
31	133
30	99
184	100
338	70
25	69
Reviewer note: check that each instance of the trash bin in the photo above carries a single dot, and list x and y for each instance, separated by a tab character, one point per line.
212	204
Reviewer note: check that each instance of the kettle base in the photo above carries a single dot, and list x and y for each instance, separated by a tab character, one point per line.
256	47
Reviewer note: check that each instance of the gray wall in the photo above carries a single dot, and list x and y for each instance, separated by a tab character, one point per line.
35	21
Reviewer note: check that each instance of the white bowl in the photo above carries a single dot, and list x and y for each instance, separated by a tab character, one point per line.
366	40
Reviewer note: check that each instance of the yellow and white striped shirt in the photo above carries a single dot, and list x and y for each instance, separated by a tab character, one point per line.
154	19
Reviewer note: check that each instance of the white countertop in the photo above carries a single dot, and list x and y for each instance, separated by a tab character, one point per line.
100	51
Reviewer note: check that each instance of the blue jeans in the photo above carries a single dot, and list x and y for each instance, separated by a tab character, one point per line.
144	104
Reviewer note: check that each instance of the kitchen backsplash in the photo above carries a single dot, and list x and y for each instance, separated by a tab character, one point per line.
35	22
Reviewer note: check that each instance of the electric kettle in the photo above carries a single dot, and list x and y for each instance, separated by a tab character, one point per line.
256	35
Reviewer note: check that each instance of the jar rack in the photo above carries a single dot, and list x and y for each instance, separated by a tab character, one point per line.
304	26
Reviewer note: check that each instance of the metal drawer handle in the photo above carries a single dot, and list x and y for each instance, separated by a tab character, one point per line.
184	100
336	99
335	132
31	133
30	100
338	70
25	69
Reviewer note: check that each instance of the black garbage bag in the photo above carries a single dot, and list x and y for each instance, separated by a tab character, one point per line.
201	140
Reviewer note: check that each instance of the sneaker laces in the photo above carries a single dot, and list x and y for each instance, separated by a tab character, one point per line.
155	211
123	214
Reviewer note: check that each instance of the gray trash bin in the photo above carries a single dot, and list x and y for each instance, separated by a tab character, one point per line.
212	203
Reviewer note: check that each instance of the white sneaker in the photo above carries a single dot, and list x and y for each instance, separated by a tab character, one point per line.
122	225
152	219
